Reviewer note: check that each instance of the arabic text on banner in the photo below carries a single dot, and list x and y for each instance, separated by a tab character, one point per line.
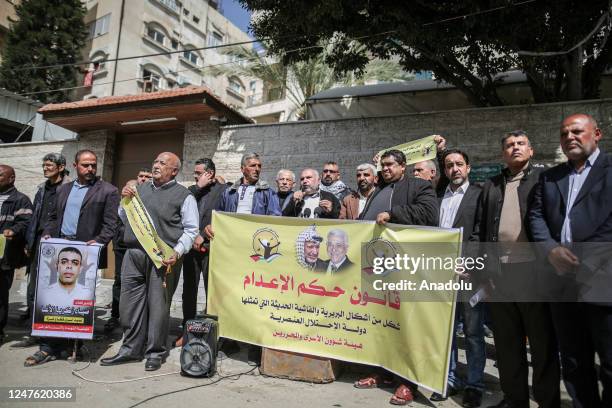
65	290
415	151
144	230
271	287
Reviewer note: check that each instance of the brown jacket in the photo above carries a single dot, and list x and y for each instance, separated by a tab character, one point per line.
350	207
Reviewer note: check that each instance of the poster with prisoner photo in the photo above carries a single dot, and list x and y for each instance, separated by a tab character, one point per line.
66	288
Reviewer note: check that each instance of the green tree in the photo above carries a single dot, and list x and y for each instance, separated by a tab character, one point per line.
468	44
302	79
45	32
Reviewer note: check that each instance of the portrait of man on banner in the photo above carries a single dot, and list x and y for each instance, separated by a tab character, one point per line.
65	293
307	248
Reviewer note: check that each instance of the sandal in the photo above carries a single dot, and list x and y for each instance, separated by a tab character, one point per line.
373	381
38	358
402	395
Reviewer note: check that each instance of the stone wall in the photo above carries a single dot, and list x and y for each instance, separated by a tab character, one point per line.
26	158
297	145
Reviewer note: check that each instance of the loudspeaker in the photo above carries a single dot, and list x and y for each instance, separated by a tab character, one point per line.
199	352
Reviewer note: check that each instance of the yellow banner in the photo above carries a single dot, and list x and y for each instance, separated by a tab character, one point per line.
273	283
415	151
145	231
2	245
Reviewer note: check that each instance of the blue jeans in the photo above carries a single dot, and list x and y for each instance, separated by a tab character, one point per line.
473	320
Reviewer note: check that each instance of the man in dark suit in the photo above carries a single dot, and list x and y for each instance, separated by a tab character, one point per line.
459	205
571	218
207	192
337	247
311	201
85	210
402	200
15	215
504	230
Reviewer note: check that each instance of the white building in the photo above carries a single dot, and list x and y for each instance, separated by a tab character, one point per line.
171	33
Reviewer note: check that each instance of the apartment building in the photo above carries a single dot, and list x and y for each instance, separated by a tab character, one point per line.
7	10
166	36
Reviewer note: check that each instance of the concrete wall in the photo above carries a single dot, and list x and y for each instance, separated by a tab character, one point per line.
297	145
26	158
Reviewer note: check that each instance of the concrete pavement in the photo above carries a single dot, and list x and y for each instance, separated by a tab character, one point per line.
125	385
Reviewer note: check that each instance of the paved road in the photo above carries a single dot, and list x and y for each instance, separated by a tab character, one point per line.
122	386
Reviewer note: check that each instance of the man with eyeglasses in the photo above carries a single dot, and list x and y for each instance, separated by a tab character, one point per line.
330	181
311	201
285	180
146	291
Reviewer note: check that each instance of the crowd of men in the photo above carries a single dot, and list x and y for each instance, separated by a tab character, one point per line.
557	208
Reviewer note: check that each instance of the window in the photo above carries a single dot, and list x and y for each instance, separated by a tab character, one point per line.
191	56
156	35
236	86
214	38
175	44
99	27
171	4
185	12
252	85
151	80
195	19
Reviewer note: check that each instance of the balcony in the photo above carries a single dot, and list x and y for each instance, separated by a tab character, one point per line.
271	95
171	5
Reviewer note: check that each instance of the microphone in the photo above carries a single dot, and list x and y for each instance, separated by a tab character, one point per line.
306	213
317	212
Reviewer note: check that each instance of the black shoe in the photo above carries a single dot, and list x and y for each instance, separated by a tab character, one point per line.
435	397
472	398
27	341
111	325
153	364
118	359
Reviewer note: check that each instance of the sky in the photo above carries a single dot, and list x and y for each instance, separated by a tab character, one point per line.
236	14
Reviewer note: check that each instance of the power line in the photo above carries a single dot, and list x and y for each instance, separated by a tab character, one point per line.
140	77
191	69
209	47
33	67
476	13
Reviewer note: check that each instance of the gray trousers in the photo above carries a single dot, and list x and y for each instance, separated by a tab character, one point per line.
145	305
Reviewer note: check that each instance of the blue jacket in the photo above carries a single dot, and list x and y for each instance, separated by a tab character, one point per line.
265	200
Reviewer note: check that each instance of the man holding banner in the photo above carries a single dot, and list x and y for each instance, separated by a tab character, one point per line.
401	200
85	210
148	283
